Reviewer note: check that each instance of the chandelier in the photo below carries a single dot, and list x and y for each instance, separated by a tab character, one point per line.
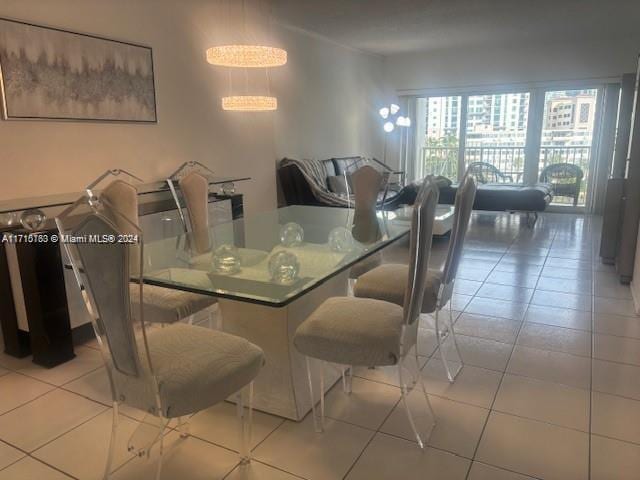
250	103
246	56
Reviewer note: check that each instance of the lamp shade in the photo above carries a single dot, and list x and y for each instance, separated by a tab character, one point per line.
250	103
246	56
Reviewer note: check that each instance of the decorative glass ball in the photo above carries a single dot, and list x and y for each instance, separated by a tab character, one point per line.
291	234
340	239
226	260
33	219
8	219
284	267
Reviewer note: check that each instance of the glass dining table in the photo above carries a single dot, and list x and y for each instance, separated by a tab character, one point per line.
269	272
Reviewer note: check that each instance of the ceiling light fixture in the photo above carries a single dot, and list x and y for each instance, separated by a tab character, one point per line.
246	56
249	103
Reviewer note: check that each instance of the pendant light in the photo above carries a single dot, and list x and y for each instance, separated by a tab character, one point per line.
247	55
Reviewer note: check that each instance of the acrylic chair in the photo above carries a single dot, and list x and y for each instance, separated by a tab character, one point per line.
168	373
368	332
193	182
162	305
386	282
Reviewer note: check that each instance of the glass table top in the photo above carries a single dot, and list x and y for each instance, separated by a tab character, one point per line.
274	257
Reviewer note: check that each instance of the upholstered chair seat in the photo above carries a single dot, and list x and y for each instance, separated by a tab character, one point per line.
166	305
389	281
352	331
196	367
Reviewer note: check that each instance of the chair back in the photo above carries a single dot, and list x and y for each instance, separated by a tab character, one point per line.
367	183
195	191
487	173
465	197
123	197
561	173
424	210
101	265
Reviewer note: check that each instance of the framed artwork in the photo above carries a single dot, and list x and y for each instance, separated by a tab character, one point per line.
48	73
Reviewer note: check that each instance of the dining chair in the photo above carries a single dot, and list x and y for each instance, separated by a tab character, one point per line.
367	332
363	187
387	282
169	373
193	183
162	305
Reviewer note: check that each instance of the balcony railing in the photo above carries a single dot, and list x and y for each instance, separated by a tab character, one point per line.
509	160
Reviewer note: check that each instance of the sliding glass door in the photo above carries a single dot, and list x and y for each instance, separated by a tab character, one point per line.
512	136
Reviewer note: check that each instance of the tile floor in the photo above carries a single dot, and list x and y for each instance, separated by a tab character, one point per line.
551	389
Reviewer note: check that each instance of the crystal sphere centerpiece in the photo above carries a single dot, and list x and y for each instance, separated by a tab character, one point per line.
340	240
33	219
284	267
291	234
226	260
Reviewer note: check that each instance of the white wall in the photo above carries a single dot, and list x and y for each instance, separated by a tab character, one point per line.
512	64
327	96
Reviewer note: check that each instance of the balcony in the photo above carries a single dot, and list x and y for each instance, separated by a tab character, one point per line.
509	160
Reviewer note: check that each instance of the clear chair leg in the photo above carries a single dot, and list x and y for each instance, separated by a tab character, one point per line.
148	432
422	431
347	380
183	427
244	405
441	337
318	420
112	442
160	458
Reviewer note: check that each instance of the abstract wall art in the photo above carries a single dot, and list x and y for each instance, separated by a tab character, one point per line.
47	73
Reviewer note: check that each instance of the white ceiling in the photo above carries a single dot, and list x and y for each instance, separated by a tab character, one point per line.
398	26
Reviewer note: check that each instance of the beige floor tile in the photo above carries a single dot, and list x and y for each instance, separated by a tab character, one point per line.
562	300
497	308
367	405
31	469
544	401
547	337
608	285
618	325
616	378
19	389
95	386
460	301
86	360
469	273
614	306
458	425
219	425
184	459
492	328
505	292
513	278
475	386
82	452
551	366
3	371
568	273
394	458
581	286
466	287
614	459
259	471
297	448
523	259
42	420
615	417
480	471
567	263
559	317
479	352
521	269
616	349
534	448
9	455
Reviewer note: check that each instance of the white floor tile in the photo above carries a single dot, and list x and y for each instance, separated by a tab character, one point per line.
547	337
616	349
86	360
19	389
616	379
297	448
551	366
534	448
394	458
618	325
559	317
492	328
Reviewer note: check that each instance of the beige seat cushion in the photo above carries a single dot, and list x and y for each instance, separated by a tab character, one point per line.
167	305
388	282
196	368
352	331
